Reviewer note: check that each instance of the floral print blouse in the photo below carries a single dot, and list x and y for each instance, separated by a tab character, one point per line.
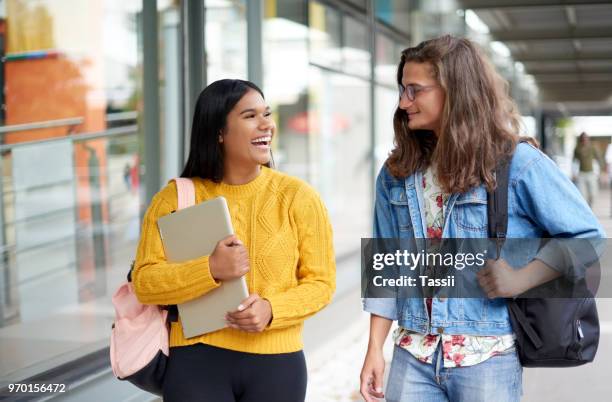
458	350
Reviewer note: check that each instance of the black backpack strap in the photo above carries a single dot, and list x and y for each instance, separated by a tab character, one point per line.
497	215
129	275
173	314
497	206
524	323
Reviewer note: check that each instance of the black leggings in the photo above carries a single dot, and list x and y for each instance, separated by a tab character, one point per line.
204	373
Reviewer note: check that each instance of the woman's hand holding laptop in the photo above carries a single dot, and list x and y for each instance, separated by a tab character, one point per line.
229	260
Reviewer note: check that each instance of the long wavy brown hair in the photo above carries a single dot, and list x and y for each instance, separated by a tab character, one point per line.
479	122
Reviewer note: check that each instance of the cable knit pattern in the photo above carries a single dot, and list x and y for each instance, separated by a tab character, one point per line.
286	229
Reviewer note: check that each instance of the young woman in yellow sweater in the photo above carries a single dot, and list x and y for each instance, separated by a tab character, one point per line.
282	245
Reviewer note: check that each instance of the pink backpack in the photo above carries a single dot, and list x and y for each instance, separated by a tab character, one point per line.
139	338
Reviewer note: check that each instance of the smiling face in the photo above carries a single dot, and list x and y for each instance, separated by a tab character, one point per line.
425	111
248	133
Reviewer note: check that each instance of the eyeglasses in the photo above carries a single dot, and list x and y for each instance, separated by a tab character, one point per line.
412	90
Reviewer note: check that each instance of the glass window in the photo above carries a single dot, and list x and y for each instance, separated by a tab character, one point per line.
323	117
285	54
387	59
386	104
437	18
340	161
399	48
292	10
325	36
69	202
226	39
356	52
170	91
359	3
395	13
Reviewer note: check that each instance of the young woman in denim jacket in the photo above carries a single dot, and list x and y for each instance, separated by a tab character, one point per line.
454	122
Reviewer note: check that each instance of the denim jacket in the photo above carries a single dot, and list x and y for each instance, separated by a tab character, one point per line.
541	201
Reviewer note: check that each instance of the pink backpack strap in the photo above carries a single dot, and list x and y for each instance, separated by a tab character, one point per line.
185	191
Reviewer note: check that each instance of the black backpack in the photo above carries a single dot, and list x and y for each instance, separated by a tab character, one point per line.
550	332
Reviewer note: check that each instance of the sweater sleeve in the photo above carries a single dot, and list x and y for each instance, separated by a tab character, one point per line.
316	270
156	281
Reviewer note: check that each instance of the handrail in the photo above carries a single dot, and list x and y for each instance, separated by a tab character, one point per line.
121	116
111	132
72	121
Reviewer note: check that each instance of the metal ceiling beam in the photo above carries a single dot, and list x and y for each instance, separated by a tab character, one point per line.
604	88
555	94
574	94
557	34
527	57
487	5
551	110
543	71
572	79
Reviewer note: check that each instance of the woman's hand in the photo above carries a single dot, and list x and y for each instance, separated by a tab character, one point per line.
229	260
252	315
372	375
498	279
373	370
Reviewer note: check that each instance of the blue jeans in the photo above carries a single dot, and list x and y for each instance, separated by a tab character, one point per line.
497	379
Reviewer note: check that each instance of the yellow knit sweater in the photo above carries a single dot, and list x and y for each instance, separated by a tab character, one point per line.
285	228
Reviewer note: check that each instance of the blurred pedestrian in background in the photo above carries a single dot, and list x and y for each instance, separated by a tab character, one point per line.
587	179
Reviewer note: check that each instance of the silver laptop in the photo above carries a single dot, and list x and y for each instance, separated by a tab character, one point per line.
191	233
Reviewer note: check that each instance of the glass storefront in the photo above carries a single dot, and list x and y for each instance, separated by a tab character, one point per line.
225	39
317	79
72	140
341	162
395	13
387	57
70	185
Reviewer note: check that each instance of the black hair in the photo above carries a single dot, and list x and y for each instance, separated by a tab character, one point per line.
209	119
